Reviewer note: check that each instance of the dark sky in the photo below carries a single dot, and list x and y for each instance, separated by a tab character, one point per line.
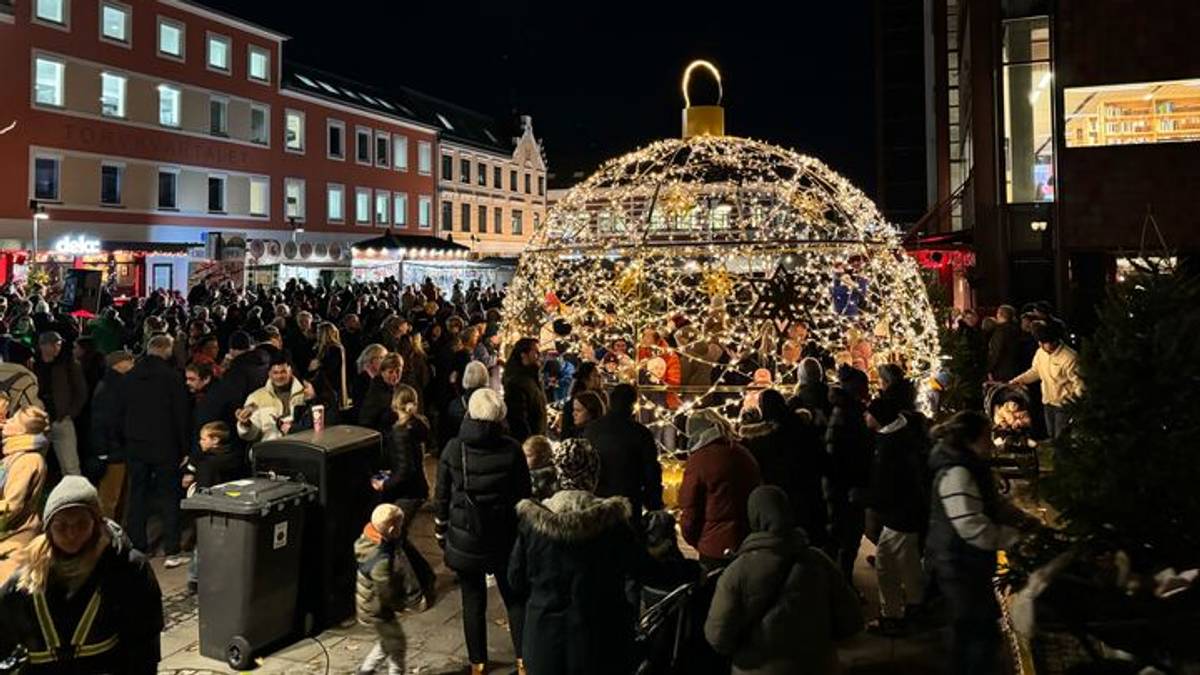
601	78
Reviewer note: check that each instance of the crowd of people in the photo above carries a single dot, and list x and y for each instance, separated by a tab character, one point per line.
153	398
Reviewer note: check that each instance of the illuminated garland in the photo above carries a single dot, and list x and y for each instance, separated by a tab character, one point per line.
737	239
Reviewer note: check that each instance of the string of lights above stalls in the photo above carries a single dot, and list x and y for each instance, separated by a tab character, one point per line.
741	243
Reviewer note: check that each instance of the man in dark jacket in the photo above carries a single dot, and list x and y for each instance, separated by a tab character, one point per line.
781	606
1004	347
376	412
717	480
64	393
849	445
523	393
108	433
628	455
156	425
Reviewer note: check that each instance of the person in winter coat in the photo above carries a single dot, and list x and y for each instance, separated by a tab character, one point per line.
18	381
628	454
156	427
542	476
969	521
1056	366
717	479
587	378
271	411
385	588
523	395
22	478
99	593
585	408
376	412
849	447
898	498
107	432
475	376
811	393
366	370
572	557
1004	346
481	477
404	481
64	393
781	605
327	369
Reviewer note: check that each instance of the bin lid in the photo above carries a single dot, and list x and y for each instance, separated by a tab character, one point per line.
249	496
329	441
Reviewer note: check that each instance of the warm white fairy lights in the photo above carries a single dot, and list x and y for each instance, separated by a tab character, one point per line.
693	231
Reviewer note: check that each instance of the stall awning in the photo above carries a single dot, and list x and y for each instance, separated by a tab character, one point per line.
390	242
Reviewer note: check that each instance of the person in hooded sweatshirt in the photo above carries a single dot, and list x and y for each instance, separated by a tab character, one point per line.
571	560
781	605
83	600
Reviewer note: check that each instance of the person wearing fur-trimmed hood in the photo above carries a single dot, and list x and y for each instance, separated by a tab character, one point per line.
573	554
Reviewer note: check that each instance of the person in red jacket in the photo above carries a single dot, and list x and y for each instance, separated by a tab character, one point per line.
717	480
653	345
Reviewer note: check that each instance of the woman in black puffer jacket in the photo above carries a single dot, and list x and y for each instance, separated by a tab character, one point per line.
481	477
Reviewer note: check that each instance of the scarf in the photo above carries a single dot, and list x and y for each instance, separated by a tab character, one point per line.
24	443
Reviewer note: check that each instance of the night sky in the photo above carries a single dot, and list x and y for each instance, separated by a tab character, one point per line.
603	78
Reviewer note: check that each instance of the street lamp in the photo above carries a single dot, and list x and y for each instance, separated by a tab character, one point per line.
39	214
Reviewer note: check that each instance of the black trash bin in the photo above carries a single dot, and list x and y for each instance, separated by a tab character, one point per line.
250	535
339	462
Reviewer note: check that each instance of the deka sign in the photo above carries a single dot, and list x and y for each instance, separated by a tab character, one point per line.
78	245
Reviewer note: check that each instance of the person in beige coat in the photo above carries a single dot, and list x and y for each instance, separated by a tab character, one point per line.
1056	366
22	479
269	412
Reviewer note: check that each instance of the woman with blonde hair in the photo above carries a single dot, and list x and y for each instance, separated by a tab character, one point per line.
402	481
82	600
328	368
366	369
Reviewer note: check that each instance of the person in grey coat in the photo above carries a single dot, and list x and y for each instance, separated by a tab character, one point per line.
780	605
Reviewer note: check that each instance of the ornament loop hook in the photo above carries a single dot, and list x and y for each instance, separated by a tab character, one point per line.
687	75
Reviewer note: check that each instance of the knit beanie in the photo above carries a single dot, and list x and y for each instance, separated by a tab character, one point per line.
70	492
486	405
577	464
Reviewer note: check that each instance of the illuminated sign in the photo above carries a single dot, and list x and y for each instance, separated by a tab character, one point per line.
78	245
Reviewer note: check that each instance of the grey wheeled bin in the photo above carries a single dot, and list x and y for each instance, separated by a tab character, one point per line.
339	461
249	535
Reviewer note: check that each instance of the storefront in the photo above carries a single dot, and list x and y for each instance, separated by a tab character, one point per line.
272	262
126	268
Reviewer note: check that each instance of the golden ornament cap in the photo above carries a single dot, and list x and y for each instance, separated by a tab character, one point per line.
702	120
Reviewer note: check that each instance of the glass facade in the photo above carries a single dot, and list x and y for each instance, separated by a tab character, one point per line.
1130	114
1028	92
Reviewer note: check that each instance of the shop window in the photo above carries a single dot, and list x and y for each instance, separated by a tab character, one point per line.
46	178
170	38
259	124
48	87
218	53
293	138
425	213
1132	114
335	203
110	184
1028	111
114	22
424	158
260	196
168	189
168	105
162	276
112	95
216	194
258	65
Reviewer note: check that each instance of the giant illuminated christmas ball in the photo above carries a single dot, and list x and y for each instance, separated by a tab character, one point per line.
749	256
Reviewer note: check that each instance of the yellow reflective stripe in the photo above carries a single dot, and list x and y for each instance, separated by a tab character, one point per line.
49	632
99	647
40	657
85	621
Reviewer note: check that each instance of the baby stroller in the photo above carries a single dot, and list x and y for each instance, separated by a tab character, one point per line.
671	630
1016	456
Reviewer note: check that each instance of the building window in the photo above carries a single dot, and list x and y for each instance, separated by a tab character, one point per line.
527	185
170	38
1129	114
114	22
541	186
425	212
168	189
400	152
400	210
1028	117
218	116
218	53
216	193
110	184
362	145
498	219
46	178
168	105
447	167
512	181
481	174
293	135
260	195
112	95
259	126
335	203
258	64
336	130
497	178
537	221
362	206
293	198
424	158
383	146
48	87
383	206
464	170
481	225
517	224
465	225
447	223
52	11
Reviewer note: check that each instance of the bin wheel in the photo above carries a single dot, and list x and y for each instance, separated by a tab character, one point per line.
237	654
